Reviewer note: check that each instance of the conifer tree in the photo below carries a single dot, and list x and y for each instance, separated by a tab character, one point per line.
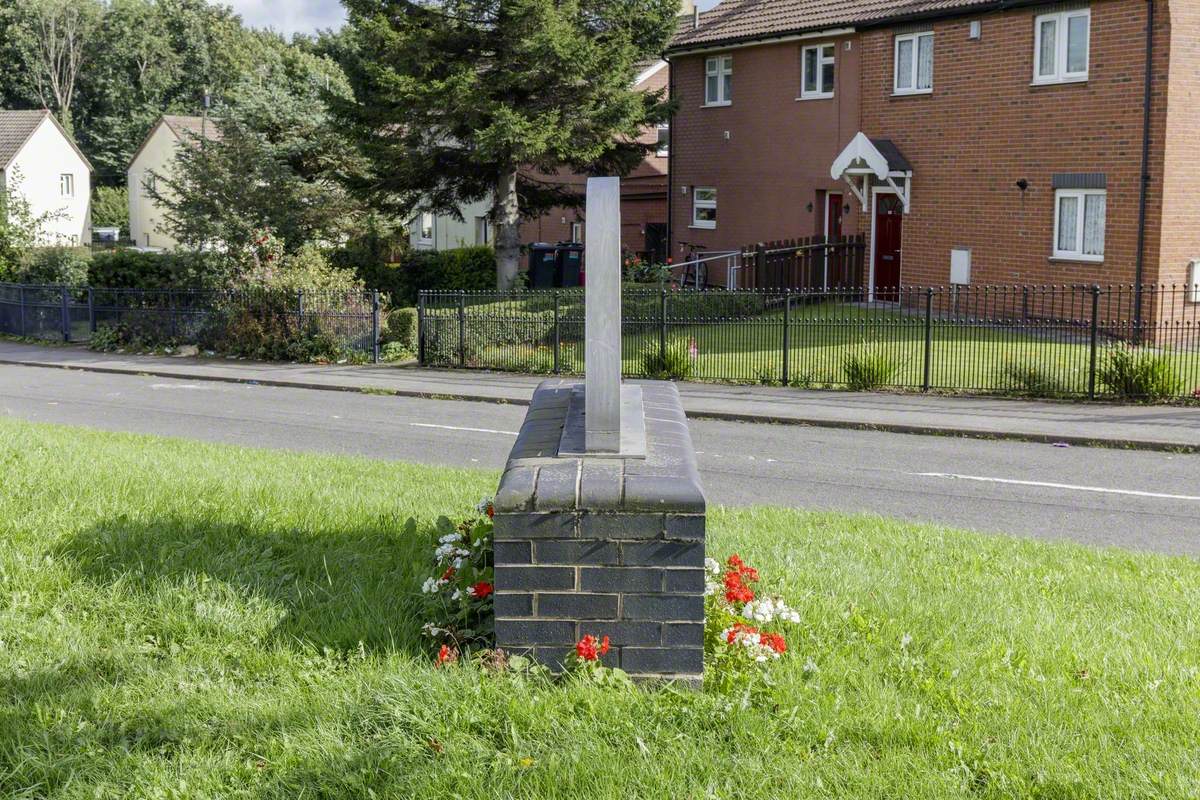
458	101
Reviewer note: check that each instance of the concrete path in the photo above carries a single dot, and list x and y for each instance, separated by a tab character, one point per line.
1126	426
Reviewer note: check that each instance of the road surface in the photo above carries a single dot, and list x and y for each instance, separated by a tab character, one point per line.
1140	500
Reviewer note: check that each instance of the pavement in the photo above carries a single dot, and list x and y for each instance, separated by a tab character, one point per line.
1104	497
1168	428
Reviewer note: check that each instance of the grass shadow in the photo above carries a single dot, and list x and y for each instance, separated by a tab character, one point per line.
326	589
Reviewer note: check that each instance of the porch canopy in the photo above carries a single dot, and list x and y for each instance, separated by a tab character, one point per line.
867	162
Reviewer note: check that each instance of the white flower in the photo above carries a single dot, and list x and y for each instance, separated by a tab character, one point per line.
482	505
457	595
430	586
905	641
712	566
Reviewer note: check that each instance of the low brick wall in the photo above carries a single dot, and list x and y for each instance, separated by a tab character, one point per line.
603	546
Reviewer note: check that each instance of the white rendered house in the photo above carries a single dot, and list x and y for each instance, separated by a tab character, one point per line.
156	157
41	163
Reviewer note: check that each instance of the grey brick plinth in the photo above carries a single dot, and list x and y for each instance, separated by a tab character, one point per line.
601	545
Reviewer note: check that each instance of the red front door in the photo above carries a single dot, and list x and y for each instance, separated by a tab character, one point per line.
833	216
889	219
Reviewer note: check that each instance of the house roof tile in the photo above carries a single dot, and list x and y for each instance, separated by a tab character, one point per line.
746	20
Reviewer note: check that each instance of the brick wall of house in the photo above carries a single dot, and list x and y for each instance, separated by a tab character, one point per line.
984	127
767	153
1180	240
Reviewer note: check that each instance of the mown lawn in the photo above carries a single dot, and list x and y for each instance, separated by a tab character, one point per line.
180	620
963	356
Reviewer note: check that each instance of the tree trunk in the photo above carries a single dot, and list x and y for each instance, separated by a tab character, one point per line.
508	231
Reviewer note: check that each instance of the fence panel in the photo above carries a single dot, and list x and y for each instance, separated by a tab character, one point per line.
1034	341
264	322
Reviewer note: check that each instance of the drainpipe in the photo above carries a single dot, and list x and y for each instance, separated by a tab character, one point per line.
671	165
1139	275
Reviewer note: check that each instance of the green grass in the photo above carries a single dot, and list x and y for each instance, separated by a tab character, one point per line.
964	357
180	620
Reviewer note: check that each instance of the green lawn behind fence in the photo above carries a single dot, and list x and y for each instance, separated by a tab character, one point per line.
183	620
749	349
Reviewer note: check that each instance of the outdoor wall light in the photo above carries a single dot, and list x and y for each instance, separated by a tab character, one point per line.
1022	184
846	208
809	207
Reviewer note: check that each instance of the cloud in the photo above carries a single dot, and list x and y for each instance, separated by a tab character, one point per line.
290	16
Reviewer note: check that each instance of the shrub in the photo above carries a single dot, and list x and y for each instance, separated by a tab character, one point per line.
1130	374
491	328
467	268
869	368
54	265
131	269
1030	380
675	363
110	207
401	328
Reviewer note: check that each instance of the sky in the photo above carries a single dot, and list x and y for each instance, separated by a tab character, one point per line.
307	16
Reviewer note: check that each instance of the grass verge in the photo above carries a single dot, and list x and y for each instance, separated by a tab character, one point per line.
189	620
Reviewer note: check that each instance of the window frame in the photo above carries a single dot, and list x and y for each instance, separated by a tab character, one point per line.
661	150
915	38
1080	225
66	184
723	68
1062	32
697	204
483	225
577	232
822	92
421	237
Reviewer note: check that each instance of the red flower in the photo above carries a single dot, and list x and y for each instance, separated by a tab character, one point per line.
482	590
590	649
739	627
735	590
448	574
491	511
736	562
446	655
775	642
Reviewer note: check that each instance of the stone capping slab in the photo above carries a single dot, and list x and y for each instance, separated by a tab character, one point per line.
633	426
538	478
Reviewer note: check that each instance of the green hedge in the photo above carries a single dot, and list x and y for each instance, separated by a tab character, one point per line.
470	268
130	269
484	332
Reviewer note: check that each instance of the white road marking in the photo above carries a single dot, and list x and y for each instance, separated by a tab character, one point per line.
177	386
454	428
1065	486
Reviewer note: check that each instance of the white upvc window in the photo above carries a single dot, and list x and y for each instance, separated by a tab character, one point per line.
66	184
704	207
718	80
913	67
577	232
1061	46
425	231
1079	216
817	71
483	231
664	140
149	182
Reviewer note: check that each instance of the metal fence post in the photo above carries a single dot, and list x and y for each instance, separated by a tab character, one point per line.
1095	341
375	326
91	310
662	327
462	329
66	316
927	384
421	328
557	336
300	310
21	307
787	337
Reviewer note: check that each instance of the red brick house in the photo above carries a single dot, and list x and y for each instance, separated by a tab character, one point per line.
970	141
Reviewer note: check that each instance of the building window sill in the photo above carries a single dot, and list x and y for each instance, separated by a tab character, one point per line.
693	227
912	92
720	104
803	97
1076	259
1058	82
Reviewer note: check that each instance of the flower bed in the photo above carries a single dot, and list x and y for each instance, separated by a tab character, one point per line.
743	630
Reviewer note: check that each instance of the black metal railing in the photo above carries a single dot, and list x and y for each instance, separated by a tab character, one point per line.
255	321
1038	341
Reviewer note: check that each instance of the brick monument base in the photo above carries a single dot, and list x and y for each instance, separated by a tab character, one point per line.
604	545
